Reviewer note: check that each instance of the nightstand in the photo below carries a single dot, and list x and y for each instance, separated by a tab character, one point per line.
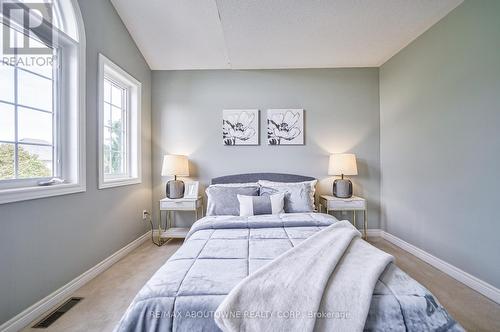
171	206
354	204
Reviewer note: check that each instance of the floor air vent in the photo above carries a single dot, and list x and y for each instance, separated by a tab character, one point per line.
54	315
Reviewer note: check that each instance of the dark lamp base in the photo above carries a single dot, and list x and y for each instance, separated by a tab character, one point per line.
342	188
175	189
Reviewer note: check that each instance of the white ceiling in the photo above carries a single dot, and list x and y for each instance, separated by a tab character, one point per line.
257	34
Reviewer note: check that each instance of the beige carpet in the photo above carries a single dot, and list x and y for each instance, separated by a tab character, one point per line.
109	294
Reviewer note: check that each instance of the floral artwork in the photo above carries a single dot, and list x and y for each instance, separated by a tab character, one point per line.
240	127
285	127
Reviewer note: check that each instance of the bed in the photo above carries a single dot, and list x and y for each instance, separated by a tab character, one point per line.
221	251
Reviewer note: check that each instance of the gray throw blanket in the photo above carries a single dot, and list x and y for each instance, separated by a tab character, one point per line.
323	292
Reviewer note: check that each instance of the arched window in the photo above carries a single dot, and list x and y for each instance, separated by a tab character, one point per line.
42	99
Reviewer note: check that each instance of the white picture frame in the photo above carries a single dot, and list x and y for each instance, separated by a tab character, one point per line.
285	127
240	127
191	189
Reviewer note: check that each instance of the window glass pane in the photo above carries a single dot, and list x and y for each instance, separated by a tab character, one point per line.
107	150
2	27
116	96
6	161
117	163
34	91
116	139
113	147
116	117
107	139
40	64
34	126
16	38
107	91
6	82
107	114
7	122
34	161
107	163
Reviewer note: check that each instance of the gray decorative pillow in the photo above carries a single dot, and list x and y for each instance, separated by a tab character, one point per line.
297	197
223	200
255	205
273	184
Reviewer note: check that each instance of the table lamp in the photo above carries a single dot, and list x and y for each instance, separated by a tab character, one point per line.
175	165
342	164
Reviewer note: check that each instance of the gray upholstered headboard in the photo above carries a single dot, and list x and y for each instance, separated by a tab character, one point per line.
254	177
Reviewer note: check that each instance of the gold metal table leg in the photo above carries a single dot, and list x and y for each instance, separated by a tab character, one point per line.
365	225
158	241
159	226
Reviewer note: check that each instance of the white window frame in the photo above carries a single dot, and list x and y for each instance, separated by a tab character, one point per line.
70	124
109	69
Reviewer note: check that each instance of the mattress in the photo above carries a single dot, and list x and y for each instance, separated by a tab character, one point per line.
220	251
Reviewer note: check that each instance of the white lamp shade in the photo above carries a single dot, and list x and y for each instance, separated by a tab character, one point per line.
175	165
342	163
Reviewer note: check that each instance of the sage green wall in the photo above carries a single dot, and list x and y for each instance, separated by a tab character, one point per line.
45	243
440	145
341	114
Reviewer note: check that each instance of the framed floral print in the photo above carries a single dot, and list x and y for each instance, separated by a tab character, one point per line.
285	127
240	127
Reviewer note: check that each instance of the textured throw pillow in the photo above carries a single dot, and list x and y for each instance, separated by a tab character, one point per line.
255	205
223	200
299	196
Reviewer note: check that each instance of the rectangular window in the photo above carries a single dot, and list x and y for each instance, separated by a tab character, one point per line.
28	120
42	111
119	129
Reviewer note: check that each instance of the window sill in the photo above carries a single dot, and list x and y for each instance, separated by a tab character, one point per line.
119	183
28	193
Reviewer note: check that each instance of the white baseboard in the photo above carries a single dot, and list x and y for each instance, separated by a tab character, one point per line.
475	283
21	320
373	232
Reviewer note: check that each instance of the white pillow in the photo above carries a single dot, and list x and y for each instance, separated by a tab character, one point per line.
255	205
281	185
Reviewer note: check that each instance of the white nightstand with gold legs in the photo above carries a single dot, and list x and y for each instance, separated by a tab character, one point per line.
171	206
354	204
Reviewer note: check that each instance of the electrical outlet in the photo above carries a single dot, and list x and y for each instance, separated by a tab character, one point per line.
145	214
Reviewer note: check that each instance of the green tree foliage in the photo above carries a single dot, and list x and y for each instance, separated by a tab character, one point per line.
29	164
